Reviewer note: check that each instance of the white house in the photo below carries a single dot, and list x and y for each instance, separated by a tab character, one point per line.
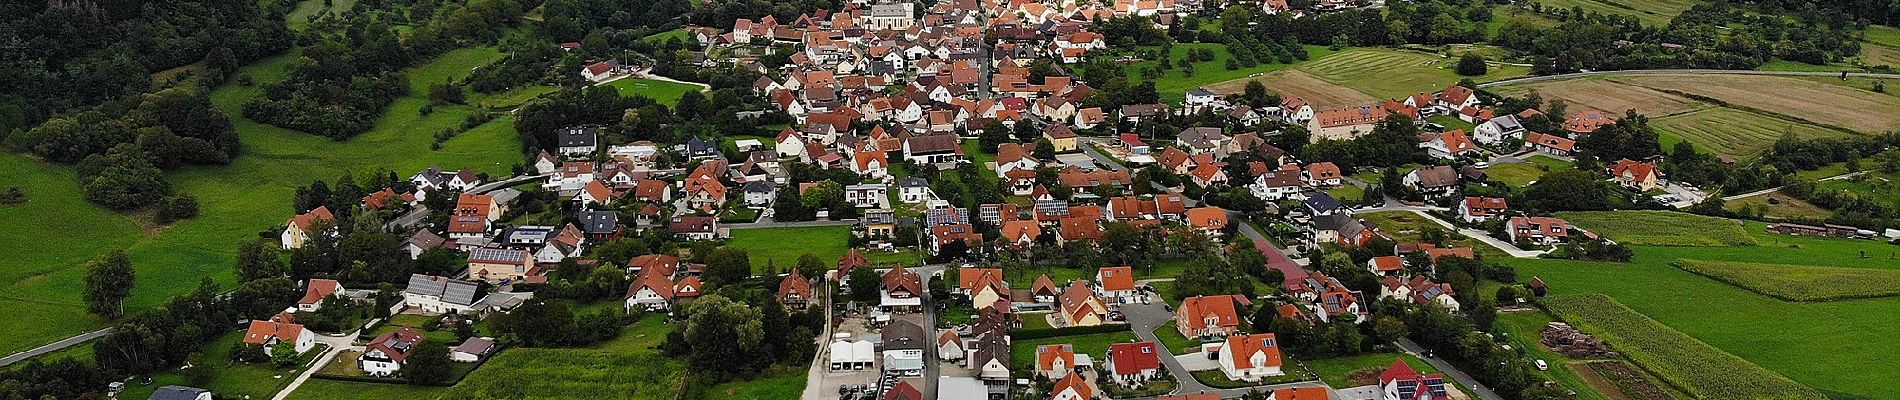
867	195
1132	364
386	355
1498	130
472	350
435	295
914	190
1250	358
280	329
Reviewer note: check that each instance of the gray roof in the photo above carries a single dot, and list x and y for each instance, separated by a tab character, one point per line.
1322	202
904	335
497	255
597	221
1437	176
1200	92
1201	137
759	187
580	137
475	345
452	291
913	182
175	392
1507	123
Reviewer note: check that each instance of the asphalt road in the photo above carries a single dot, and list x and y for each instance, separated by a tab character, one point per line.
52	347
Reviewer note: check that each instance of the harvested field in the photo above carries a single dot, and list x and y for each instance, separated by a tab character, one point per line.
1649	12
1830	104
1609	97
1702	370
1799	282
1597	382
1293	83
1735	132
1777	206
1386	73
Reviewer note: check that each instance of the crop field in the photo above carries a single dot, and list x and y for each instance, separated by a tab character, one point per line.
237	201
1387	73
1649	12
665	92
1702	370
782	246
1608	96
1174	83
1831	104
1321	94
1800	282
1661	228
1735	132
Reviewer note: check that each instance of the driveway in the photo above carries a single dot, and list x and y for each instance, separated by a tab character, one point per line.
336	344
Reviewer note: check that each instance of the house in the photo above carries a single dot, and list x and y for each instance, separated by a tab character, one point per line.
1419	290
1434	181
1133	143
1055	360
650	292
1200	97
1244	115
599	224
1080	306
654	264
904	346
1550	144
1455	98
1134	113
578	141
437	295
499	265
1250	358
434	178
903	390
1061	138
473	349
794	291
1134	364
301	227
1207	317
1497	131
175	392
1345	124
1209	220
1295	110
760	193
1324	174
1015	156
1448	145
984	286
934	149
1322	204
315	290
1273	185
942	235
1088	118
1117	284
280	329
1329	297
1301	393
914	190
388	352
900	290
949	346
1073	387
600	71
695	228
1586	122
1401	382
1044	290
1385	265
1479	209
1537	230
868	195
1203	140
1638	176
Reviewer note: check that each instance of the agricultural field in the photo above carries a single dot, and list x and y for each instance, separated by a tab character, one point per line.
237	201
1295	83
1649	12
1799	282
782	383
1524	329
1832	104
1387	73
782	246
1515	174
1661	228
1776	206
1608	96
667	93
1702	370
1174	83
1735	132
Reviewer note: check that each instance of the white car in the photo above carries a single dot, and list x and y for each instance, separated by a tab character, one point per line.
1482	165
1542	366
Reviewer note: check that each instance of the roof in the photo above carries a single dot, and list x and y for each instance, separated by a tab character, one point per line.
261	332
452	291
1013	230
1244	346
317	289
1209	217
936	143
904	335
656	283
396	344
1640	171
579	137
898	278
1388	263
304	221
974	279
1133	358
1043	286
794	284
904	391
1116	278
1437	176
1551	141
175	392
475	345
1077	299
499	256
1074	382
1048	354
1302	393
1195	311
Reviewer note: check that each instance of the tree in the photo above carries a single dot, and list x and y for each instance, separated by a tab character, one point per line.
994	135
109	281
864	283
284	355
1566	190
176	207
1472	64
1045	150
726	266
258	260
725	339
428	363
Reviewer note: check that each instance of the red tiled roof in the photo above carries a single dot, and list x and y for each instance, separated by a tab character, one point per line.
1133	358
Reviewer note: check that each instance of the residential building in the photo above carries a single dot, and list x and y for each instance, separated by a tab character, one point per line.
1207	317
1479	209
1433	182
1133	364
1056	361
280	329
300	228
1636	175
440	295
499	265
1117	284
1080	306
1401	382
315	291
904	346
900	291
1250	358
1543	231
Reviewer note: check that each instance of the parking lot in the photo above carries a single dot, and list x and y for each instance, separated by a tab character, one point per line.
855	384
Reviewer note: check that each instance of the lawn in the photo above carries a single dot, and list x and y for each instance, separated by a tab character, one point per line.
1171	337
1293	372
1649	12
679	33
237	201
1515	174
1800	282
1875	186
1735	132
1347	192
1451	123
1702	370
782	246
1174	83
784	383
1337	372
213	369
665	92
1023	278
1406	227
1807	342
1022	353
1550	163
1661	228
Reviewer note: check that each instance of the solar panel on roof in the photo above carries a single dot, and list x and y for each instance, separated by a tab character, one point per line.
459	292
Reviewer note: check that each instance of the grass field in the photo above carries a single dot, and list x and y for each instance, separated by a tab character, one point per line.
1784	207
1171	337
1174	83
1337	371
783	246
1807	342
300	16
1649	12
1735	132
1387	73
1799	282
1022	353
665	92
1347	192
1831	104
784	383
679	33
599	371
1524	328
237	201
1661	228
1515	174
216	371
1694	366
1876	186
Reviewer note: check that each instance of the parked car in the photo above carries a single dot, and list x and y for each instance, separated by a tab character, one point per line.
1542	366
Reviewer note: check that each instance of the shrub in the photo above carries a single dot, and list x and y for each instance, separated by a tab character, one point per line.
1472	65
177	207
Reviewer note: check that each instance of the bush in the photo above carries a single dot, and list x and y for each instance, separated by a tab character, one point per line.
13	195
177	207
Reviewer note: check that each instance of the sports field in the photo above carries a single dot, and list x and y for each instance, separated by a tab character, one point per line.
1650	12
1735	132
237	201
1807	342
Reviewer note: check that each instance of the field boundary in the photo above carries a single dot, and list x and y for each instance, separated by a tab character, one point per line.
1724	104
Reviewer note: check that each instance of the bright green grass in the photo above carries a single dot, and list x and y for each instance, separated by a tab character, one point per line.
1549	162
1735	132
1388	73
981	158
1649	12
220	375
1525	330
785	383
1452	123
1022	353
1876	186
1883	35
1036	321
1347	192
237	202
1023	278
680	33
300	16
1661	228
1799	282
665	92
1791	65
325	389
783	246
512	97
1515	174
1173	84
1696	367
1336	371
1407	227
1171	337
1808	342
53	200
